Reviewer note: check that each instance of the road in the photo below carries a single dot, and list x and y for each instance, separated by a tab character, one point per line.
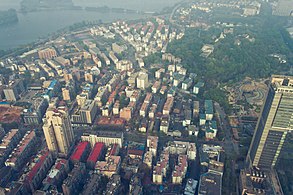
174	10
230	147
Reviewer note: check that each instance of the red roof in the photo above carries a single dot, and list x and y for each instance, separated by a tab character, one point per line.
135	152
79	150
60	163
113	150
96	151
37	166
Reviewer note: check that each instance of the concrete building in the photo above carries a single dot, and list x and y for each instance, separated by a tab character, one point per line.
160	170
109	167
135	185
190	187
273	124
95	155
34	115
20	154
168	106
47	53
148	159
75	180
210	183
86	113
142	81
80	153
38	169
114	185
9	142
156	87
152	144
68	92
209	109
105	137
57	173
93	185
13	90
180	170
165	122
58	130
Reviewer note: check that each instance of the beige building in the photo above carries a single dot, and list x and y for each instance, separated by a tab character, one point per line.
47	53
142	81
274	123
66	94
105	137
58	130
86	113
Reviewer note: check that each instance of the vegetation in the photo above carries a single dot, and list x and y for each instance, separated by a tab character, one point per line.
8	17
219	96
153	59
230	61
229	178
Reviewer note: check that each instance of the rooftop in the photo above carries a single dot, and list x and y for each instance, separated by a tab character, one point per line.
28	137
96	151
210	184
38	163
79	150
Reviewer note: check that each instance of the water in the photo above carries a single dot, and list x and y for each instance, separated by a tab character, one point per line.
32	26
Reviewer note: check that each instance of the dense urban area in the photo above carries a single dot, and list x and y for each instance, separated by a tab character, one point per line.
163	105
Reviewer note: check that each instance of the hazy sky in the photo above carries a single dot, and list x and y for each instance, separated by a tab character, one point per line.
145	5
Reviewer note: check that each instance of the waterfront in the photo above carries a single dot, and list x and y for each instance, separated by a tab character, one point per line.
32	26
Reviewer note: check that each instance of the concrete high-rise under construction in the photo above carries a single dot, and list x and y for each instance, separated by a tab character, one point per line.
58	130
274	123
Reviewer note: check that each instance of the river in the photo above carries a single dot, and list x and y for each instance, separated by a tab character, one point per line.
32	26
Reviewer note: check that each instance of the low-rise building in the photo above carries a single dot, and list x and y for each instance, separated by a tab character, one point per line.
135	185
114	185
180	170
9	142
93	185
37	170
80	153
95	155
190	187
160	170
168	106
75	180
152	144
57	173
105	137
35	113
20	154
109	167
148	159
156	87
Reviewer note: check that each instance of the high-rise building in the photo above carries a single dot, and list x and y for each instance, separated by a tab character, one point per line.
13	90
273	124
86	113
58	130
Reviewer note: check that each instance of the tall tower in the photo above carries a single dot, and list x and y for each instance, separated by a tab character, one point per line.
58	130
275	121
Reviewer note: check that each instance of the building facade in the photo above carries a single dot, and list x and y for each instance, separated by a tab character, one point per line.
273	124
58	130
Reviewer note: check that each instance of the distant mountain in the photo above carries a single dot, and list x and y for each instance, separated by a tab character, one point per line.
36	5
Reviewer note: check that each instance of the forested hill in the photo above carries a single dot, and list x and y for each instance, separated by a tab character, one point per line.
255	50
8	17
